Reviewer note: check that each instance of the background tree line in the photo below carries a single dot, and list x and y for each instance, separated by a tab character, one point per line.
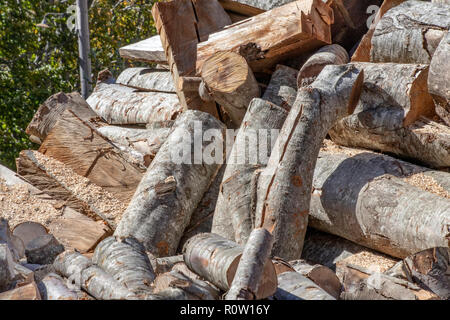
39	55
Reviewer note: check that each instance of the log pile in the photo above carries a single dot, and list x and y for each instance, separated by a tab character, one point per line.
281	150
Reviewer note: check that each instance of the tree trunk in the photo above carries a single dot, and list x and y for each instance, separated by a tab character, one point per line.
53	287
26	292
294	286
172	188
410	32
149	50
282	88
220	268
251	267
51	110
266	39
147	79
195	21
84	48
332	54
323	276
234	213
126	261
231	83
93	279
193	289
284	187
362	53
62	183
80	147
380	202
439	79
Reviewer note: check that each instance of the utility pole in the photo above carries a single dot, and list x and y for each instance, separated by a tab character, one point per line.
84	47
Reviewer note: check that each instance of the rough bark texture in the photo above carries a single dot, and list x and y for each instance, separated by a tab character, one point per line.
216	259
80	147
380	202
126	261
362	53
92	278
410	32
231	83
53	287
181	26
146	79
439	78
251	267
148	50
323	276
284	187
332	54
266	39
50	111
294	286
282	88
172	188
119	104
43	249
234	213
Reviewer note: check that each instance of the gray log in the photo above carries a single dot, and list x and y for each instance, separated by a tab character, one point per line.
146	79
53	287
282	88
6	267
294	286
43	249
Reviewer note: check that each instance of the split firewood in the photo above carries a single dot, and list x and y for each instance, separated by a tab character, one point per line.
6	267
195	21
413	39
230	82
126	261
240	7
148	50
284	187
282	88
27	292
119	104
202	218
381	219
266	39
146	79
332	54
220	268
439	79
147	142
323	276
234	213
362	53
194	289
53	287
249	272
28	231
351	19
174	185
294	286
63	183
166	264
77	231
361	284
91	278
50	111
23	275
43	249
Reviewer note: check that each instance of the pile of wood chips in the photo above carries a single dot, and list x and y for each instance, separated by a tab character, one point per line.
273	150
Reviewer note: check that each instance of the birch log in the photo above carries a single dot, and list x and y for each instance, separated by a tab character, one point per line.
231	83
332	54
126	261
410	32
282	88
53	287
172	188
294	286
439	79
147	79
234	214
91	278
251	266
119	104
220	268
284	187
380	202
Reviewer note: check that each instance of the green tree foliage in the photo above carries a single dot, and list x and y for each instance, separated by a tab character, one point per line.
39	55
